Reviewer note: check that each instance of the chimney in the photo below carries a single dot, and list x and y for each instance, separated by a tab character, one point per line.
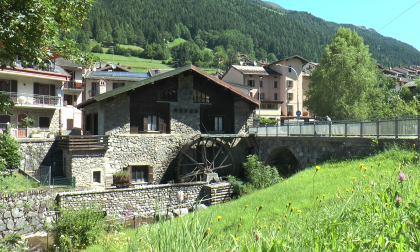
102	86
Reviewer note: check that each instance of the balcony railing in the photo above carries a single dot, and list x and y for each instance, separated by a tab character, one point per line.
33	99
392	127
75	143
73	85
33	132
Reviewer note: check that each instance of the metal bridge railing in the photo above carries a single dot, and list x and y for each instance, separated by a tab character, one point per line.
390	127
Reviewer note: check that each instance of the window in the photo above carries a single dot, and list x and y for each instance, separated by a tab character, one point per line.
44	89
68	99
199	97
290	69
289	83
269	106
275	96
262	96
152	123
170	95
5	85
289	110
139	173
275	84
290	96
97	177
218	123
251	83
251	94
44	122
261	83
4	119
117	85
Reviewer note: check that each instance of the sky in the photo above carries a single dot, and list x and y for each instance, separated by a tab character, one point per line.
369	13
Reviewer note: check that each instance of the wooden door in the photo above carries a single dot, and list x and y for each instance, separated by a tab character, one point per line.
22	125
69	124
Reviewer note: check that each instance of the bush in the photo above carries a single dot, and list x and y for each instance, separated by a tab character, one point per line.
9	152
97	49
258	175
77	229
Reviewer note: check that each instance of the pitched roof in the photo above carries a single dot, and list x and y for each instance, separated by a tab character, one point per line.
162	76
118	68
116	76
291	57
255	70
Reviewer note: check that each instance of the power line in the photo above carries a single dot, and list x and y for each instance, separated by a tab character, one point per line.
399	16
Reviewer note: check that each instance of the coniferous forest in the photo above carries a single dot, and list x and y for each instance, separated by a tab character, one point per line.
262	30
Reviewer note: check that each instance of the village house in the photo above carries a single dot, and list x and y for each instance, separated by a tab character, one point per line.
280	89
167	128
48	96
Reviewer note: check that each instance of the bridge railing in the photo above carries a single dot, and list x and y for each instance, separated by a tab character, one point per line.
390	127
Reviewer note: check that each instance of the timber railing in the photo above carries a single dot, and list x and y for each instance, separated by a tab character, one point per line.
390	127
92	142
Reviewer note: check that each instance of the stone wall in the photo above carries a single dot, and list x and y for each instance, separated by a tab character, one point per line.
117	115
143	200
36	152
26	212
243	117
35	113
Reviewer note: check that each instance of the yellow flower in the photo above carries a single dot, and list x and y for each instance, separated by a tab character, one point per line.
290	202
347	190
239	224
285	215
219	217
246	206
207	232
360	165
365	168
237	239
352	191
318	168
370	191
323	195
278	228
386	204
265	226
292	209
402	166
227	250
287	205
354	178
371	166
364	175
211	222
299	211
379	194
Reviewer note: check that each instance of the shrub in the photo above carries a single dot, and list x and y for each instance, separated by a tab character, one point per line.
121	175
258	175
97	49
77	229
9	152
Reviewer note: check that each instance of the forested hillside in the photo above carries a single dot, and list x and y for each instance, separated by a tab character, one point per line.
259	29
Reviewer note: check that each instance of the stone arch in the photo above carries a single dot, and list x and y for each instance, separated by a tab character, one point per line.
284	160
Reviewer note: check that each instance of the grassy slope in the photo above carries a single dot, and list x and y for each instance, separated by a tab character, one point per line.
367	219
136	64
18	182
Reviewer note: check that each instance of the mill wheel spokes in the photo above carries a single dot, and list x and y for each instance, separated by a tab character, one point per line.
205	155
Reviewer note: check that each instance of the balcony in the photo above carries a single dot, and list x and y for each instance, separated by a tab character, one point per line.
82	143
74	85
21	99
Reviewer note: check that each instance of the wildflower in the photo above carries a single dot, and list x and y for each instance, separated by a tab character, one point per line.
265	226
211	222
360	165
323	195
299	211
227	250
386	204
237	239
347	190
354	178
180	196
260	227
371	166
207	232
278	228
246	206
219	217
287	205
370	191
401	176
239	224
318	168
379	163
365	168
379	194
402	166
290	202
285	216
291	210
364	175
398	199
261	207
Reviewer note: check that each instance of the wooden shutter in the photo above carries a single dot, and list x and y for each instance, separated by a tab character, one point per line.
162	125
14	86
150	175
52	90
227	124
69	124
145	123
36	88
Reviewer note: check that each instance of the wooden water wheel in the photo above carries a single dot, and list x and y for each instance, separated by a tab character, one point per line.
204	155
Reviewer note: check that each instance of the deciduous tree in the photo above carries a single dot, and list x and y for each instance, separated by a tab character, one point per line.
347	82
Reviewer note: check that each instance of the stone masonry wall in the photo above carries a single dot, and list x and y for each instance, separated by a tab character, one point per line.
36	152
143	200
26	212
243	117
35	113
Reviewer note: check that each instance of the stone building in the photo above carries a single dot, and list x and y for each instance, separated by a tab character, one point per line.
167	128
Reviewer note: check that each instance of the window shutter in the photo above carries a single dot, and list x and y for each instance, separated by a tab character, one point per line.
36	88
145	123
52	90
162	125
14	86
227	124
150	175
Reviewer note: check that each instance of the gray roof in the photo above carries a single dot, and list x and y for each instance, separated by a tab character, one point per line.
410	84
116	76
256	70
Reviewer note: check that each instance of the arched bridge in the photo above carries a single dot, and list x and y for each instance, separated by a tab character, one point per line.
299	145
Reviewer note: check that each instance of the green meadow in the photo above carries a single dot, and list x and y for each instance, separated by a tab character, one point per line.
369	204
